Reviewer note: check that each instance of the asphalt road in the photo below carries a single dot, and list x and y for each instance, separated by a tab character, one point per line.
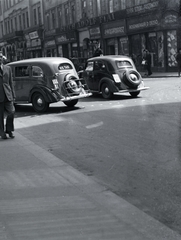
132	146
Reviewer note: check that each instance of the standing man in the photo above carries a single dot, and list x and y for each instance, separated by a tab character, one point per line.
147	58
7	97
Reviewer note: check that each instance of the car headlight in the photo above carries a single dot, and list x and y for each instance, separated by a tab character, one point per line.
116	78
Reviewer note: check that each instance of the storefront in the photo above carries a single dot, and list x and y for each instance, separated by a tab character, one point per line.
115	40
50	48
158	33
95	39
67	44
33	45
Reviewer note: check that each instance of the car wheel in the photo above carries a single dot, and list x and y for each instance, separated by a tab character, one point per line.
71	85
39	103
71	103
134	94
132	78
106	92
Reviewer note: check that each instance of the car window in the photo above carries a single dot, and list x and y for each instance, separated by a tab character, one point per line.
22	71
99	65
64	66
125	63
89	66
37	71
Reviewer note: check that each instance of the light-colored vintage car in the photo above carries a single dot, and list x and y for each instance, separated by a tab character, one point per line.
46	80
112	74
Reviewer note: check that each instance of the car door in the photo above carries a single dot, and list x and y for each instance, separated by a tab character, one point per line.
21	78
88	75
99	72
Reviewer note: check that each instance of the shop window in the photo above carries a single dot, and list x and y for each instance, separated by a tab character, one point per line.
123	46
172	48
160	40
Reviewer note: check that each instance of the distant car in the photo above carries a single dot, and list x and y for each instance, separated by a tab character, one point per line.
46	80
112	74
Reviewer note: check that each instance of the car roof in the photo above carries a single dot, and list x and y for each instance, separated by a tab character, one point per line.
45	60
110	58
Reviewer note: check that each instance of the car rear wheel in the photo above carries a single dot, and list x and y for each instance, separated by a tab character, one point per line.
39	103
71	103
106	92
132	78
134	94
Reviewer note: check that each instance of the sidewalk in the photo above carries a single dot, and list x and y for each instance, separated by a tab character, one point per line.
41	197
160	74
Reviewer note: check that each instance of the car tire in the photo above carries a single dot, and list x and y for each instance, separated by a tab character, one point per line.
132	78
106	92
71	103
134	94
71	85
39	103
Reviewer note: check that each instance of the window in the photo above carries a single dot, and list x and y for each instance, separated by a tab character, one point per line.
22	71
84	13
15	23
48	22
53	20
98	8
123	4
20	23
35	18
64	66
111	6
24	22
73	13
27	19
37	71
67	20
123	64
89	66
60	17
39	15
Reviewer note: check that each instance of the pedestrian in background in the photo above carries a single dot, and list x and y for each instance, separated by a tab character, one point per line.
98	52
178	58
147	61
7	97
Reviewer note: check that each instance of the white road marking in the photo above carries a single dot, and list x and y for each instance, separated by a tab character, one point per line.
94	125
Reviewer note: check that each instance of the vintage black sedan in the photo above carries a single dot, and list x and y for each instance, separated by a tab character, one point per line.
112	74
46	80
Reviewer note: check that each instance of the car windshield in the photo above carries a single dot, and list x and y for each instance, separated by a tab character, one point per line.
122	64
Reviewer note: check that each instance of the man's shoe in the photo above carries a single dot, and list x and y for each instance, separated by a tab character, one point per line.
11	135
4	136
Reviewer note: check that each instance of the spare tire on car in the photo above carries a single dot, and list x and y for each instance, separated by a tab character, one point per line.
70	85
132	78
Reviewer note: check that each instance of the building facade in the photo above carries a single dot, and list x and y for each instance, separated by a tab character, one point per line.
74	28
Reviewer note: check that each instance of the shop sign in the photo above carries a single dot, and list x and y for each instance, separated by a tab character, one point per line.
143	8
93	21
62	39
95	33
66	37
33	35
35	42
50	43
50	32
170	18
142	23
114	29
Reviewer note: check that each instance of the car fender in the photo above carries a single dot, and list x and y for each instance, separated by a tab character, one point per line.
110	82
45	91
